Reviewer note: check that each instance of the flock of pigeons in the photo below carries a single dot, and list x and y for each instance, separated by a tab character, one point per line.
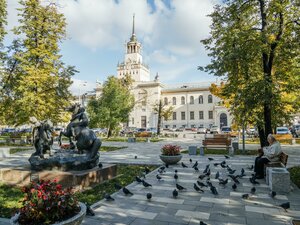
203	181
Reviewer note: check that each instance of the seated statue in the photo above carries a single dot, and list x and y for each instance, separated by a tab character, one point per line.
41	136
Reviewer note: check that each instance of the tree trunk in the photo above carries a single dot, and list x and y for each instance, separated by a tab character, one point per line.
109	132
262	137
159	117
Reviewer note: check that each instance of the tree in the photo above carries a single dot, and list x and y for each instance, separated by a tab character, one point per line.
255	46
35	81
163	111
113	106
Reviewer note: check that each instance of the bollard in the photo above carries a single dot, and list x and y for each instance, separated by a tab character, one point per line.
202	150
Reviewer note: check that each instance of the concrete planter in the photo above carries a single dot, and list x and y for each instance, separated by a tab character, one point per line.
75	220
170	159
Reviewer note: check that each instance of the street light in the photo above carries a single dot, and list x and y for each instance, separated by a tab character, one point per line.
83	85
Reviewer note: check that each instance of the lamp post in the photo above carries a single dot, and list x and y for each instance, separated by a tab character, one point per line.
83	85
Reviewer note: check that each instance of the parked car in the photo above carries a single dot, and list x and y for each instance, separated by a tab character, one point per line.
295	130
251	131
181	129
152	130
214	129
201	130
282	130
225	130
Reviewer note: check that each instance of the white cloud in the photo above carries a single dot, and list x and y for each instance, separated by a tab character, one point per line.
80	87
162	57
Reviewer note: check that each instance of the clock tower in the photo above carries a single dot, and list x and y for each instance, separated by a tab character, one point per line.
133	62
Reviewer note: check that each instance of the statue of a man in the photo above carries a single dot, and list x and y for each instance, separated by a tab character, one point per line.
41	136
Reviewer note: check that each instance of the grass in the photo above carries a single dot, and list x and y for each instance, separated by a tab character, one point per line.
223	152
125	139
282	141
111	148
295	175
16	150
10	197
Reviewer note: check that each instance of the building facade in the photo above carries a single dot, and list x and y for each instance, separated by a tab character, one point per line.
193	104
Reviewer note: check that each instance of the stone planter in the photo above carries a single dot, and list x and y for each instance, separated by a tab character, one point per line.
75	220
170	159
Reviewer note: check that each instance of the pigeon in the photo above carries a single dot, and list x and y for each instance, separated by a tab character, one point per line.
253	190
285	205
195	164
158	177
149	196
191	160
137	179
176	171
209	183
253	181
226	157
208	173
234	187
175	193
167	165
231	172
201	184
183	165
147	170
234	178
242	172
250	167
210	159
245	196
126	191
202	223
118	186
89	210
135	157
206	169
223	182
273	194
160	171
196	169
108	197
217	175
145	184
175	176
214	190
201	177
100	165
162	168
180	188
216	164
223	165
197	188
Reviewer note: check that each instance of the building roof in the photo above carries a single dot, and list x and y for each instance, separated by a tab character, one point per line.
187	87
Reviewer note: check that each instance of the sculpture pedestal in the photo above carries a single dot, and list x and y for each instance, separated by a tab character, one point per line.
77	179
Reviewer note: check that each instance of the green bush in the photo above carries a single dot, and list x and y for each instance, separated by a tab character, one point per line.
295	175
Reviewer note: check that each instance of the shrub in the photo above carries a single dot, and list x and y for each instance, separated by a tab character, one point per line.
170	150
46	203
143	134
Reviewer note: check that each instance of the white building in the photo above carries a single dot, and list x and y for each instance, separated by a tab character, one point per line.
194	105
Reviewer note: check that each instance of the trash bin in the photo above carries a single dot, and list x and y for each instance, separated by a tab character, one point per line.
192	150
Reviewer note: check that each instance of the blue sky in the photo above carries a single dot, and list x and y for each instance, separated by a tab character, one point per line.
169	30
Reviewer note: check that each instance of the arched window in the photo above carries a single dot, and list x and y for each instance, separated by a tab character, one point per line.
210	99
191	99
166	101
182	100
201	99
174	100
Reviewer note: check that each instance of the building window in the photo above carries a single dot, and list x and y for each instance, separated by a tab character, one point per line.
166	101
174	116
182	100
192	100
200	99
132	120
174	100
174	126
201	116
210	99
192	115
182	115
210	114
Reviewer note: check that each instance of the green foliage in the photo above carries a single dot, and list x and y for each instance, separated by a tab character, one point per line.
3	22
35	81
255	46
10	200
295	175
113	107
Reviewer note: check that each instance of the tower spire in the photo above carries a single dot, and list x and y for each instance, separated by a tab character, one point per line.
133	37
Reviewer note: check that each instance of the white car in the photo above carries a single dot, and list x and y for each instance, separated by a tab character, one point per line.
282	130
214	130
201	130
225	130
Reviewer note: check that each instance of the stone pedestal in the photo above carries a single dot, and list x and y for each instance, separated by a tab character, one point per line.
4	152
192	150
279	179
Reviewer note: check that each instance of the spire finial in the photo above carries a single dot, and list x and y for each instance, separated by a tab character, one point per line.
133	32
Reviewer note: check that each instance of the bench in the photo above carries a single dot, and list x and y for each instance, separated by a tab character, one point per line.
283	158
217	141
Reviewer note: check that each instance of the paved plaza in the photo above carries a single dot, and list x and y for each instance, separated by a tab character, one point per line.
190	207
